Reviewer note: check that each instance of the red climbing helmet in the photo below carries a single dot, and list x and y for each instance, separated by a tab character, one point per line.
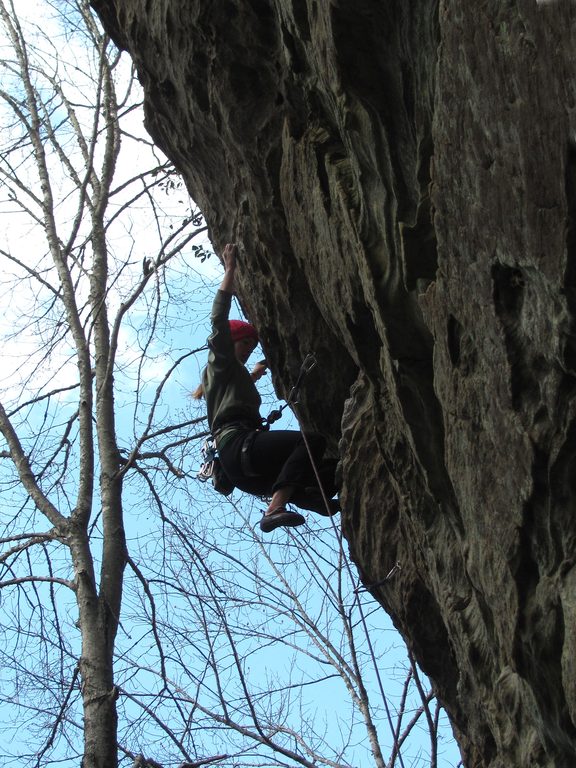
242	330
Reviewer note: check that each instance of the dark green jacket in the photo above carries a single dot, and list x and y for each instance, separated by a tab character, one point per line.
231	395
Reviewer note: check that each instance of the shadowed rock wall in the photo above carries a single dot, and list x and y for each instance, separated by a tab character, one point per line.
401	179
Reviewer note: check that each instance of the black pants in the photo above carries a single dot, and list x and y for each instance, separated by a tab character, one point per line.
278	459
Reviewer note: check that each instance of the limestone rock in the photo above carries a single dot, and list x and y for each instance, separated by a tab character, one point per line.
401	179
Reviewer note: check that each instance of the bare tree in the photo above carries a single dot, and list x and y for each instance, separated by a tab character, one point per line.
69	295
144	622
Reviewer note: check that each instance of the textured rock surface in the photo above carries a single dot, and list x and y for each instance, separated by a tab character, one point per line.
401	179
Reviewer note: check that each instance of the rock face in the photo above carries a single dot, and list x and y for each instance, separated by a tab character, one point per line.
401	179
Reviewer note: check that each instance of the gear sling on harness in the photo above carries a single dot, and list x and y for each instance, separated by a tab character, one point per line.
211	469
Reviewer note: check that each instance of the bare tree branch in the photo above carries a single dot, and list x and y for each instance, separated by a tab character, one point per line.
26	474
37	580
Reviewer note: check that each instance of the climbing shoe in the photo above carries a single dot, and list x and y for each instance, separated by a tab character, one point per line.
280	517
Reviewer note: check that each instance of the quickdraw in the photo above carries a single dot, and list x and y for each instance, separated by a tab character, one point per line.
395	568
308	364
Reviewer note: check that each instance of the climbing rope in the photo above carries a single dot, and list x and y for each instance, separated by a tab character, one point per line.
357	591
207	470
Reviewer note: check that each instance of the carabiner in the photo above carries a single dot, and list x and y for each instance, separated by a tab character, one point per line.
308	363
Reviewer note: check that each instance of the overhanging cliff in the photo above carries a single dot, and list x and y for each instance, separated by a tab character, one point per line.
401	180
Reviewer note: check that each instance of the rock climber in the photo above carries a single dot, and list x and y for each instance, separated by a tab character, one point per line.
270	463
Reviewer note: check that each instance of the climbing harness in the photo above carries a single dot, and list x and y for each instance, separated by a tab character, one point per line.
211	469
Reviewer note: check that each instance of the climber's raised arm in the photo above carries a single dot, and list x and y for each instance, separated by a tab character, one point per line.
229	255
